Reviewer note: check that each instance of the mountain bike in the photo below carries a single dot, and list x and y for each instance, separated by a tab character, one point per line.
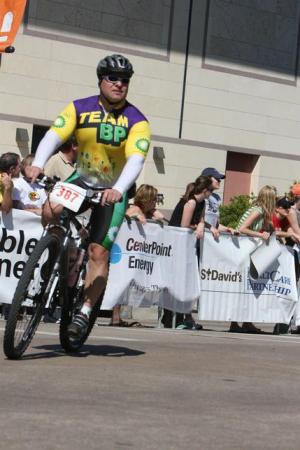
48	280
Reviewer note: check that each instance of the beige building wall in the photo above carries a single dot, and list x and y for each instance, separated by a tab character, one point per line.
181	165
8	139
224	102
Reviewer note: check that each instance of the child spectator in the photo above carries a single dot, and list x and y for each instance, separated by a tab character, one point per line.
257	222
9	169
26	195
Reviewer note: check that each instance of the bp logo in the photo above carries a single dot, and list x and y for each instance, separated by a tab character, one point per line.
112	233
115	254
143	145
33	196
59	122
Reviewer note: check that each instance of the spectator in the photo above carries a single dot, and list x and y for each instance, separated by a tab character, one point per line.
189	212
294	220
281	222
282	226
9	169
213	203
144	204
257	222
62	164
143	208
26	195
294	212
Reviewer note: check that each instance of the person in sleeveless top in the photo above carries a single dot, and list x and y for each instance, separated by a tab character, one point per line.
189	213
257	222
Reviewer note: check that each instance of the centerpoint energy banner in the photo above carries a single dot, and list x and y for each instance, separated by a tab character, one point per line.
233	290
19	233
151	264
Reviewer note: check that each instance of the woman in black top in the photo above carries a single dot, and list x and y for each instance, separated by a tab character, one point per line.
189	212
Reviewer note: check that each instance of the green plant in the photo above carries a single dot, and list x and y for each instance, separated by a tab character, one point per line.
230	214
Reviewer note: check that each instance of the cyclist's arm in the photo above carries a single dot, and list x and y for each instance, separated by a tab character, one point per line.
136	150
50	142
129	174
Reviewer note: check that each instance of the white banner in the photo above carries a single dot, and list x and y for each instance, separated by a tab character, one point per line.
19	233
151	264
229	293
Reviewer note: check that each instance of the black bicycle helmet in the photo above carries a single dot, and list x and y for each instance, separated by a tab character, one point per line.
114	64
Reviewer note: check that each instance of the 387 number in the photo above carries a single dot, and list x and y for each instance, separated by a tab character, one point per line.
67	194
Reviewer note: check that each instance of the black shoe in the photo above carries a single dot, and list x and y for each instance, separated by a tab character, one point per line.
49	319
78	328
281	328
6	311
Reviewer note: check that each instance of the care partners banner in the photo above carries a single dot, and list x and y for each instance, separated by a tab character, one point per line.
151	264
19	233
232	291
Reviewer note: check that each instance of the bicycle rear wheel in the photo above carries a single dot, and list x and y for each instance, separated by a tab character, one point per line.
31	294
71	306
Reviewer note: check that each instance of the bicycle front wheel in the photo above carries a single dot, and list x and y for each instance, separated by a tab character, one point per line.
30	296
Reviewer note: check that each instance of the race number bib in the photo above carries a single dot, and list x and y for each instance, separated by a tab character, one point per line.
68	195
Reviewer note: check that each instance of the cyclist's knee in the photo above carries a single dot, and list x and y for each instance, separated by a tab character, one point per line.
98	254
50	213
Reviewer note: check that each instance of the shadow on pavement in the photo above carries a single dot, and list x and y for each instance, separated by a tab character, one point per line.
55	351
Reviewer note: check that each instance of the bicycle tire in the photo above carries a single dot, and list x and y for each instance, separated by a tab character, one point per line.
34	285
70	307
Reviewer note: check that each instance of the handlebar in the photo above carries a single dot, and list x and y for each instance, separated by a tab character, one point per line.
91	195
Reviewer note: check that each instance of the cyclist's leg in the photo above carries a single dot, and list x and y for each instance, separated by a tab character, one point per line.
105	226
106	222
52	211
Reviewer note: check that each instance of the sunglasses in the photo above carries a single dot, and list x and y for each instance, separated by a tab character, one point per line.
114	79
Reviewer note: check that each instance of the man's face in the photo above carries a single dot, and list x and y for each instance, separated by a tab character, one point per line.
114	88
74	152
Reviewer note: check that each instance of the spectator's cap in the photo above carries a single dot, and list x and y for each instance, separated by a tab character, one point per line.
212	172
284	203
295	190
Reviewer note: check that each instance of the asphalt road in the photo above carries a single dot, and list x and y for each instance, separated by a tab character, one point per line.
146	388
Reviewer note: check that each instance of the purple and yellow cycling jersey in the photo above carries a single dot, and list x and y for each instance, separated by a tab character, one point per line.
105	139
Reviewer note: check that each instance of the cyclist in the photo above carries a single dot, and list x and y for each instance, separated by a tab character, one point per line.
113	140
